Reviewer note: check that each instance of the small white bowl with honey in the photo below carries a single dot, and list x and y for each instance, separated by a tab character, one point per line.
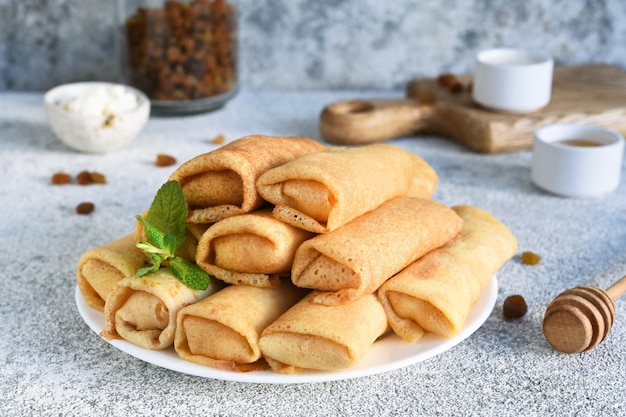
577	160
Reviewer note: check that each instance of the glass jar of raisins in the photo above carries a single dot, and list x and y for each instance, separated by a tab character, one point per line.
182	54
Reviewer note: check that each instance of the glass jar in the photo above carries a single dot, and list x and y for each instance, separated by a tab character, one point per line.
181	54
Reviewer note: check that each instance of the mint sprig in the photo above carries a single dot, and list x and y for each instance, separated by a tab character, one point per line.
165	227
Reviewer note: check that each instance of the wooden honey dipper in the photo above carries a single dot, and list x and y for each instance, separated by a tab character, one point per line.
580	318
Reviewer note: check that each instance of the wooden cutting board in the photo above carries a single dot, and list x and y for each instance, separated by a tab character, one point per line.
591	94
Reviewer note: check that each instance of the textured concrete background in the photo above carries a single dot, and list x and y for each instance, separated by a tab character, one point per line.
304	44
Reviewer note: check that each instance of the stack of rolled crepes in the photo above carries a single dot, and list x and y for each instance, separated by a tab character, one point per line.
314	254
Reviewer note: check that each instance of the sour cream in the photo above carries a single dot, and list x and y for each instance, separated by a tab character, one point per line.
103	101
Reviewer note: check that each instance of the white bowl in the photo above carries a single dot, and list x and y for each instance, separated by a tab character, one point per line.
76	116
577	160
512	80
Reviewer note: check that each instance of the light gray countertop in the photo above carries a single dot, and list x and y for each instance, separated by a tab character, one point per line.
51	363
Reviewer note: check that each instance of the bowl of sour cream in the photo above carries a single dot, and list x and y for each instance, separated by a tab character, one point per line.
96	117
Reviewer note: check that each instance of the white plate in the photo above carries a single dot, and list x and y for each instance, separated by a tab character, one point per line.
386	354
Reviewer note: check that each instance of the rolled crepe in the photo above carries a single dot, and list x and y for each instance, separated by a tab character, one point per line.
436	292
223	330
99	269
314	336
323	191
357	258
425	178
253	249
221	183
143	310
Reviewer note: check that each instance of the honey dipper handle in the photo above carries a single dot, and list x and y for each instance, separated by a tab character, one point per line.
617	289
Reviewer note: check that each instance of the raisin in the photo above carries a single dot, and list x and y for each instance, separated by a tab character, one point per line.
514	307
446	80
85	208
83	178
163	160
97	178
426	96
88	178
530	258
108	121
61	178
456	88
219	139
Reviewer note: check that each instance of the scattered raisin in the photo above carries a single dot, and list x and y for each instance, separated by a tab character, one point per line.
97	178
61	178
163	160
514	307
83	178
219	139
446	80
85	208
530	258
88	178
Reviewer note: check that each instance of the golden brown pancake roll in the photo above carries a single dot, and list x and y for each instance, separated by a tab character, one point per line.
314	336
143	310
357	258
425	178
221	183
323	191
252	249
223	330
436	292
99	269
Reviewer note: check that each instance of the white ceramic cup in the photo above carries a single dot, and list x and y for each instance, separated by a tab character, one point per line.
512	80
566	163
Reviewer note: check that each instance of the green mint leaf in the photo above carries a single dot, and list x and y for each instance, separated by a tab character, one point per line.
189	273
168	212
170	244
154	236
151	250
155	255
144	271
155	261
165	227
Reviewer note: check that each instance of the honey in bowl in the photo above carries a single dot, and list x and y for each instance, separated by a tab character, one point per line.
580	142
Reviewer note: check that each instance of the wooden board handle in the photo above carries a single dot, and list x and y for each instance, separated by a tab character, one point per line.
360	122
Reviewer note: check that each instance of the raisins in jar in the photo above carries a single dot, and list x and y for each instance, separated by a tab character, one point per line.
530	258
426	97
456	88
446	80
85	208
183	50
514	307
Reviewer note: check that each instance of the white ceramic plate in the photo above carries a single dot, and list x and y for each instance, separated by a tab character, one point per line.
386	354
